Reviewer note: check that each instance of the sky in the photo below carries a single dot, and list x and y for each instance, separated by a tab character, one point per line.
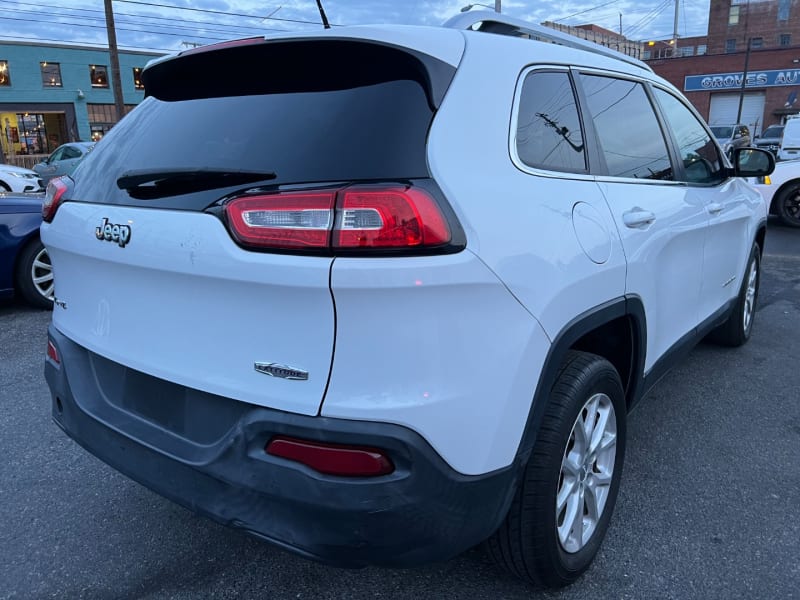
167	25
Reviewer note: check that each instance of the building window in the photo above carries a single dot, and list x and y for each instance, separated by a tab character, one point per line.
785	39
5	77
99	76
686	51
51	74
137	78
646	54
102	118
756	43
783	9
701	49
730	45
733	15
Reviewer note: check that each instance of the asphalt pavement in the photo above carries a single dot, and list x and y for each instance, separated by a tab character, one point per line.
708	505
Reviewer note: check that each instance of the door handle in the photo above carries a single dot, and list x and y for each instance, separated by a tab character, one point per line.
638	218
715	207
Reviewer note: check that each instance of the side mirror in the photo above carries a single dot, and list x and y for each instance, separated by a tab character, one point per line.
752	162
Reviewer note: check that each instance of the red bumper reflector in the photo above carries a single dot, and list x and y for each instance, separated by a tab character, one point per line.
332	459
52	353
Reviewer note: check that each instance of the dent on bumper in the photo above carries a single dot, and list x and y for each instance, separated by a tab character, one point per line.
159	434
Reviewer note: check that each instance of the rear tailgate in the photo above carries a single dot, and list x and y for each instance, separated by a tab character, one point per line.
148	273
181	301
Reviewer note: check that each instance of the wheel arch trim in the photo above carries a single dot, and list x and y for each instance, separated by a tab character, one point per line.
629	306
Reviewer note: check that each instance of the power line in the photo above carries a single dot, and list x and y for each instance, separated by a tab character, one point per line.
138	15
216	39
174	27
585	11
220	12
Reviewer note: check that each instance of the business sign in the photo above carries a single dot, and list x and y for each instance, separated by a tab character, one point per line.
733	81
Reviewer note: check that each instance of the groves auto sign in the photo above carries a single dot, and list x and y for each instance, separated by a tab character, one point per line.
733	81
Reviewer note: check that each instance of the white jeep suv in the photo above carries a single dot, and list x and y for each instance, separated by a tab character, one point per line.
378	294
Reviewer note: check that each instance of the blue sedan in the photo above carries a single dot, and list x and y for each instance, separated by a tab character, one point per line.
25	267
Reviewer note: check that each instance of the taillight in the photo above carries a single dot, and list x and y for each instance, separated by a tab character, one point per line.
52	352
291	220
52	199
332	459
388	218
369	217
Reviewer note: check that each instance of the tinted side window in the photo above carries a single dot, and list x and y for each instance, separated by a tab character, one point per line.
626	125
71	152
701	160
548	128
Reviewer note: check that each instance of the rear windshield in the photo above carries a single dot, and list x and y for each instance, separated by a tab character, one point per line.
774	131
328	118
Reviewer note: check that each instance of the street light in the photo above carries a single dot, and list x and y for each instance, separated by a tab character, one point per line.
471	6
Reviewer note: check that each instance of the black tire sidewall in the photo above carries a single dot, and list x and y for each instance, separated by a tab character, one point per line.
566	567
785	195
25	286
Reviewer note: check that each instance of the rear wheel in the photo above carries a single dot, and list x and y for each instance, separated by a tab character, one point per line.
563	506
788	205
34	275
4	187
737	329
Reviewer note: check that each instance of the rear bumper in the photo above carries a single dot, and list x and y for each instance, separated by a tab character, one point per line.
206	453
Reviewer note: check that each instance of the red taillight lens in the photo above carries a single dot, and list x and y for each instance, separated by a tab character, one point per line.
375	217
52	353
389	218
291	220
332	459
52	199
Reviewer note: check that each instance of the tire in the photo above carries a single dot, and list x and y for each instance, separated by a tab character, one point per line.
4	187
788	205
535	542
736	330
34	275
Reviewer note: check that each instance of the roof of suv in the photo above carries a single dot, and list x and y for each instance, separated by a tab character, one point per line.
447	43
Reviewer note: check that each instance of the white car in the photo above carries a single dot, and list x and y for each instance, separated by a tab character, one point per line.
17	179
373	325
781	191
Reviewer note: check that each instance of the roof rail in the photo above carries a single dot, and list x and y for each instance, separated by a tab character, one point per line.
493	22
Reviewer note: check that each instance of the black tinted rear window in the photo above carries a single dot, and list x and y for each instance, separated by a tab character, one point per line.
306	124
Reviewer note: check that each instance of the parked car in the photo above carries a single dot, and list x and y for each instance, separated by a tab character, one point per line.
790	143
17	179
25	267
770	139
373	325
781	191
63	160
731	137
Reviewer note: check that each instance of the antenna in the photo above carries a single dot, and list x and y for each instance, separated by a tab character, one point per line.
325	23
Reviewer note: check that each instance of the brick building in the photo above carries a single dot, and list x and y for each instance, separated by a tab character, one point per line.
713	81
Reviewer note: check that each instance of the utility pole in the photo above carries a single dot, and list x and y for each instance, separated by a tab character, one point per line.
744	82
116	83
675	32
497	6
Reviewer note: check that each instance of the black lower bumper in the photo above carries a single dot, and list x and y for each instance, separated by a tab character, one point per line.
207	453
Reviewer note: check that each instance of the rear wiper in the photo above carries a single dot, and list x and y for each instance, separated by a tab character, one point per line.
156	183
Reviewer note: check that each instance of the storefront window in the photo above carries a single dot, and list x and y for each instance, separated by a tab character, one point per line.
5	78
51	74
137	78
99	76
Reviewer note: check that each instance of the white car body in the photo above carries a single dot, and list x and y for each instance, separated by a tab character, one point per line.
17	179
790	143
780	191
455	347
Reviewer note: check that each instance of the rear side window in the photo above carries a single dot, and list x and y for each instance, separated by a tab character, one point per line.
630	137
548	132
310	112
698	152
